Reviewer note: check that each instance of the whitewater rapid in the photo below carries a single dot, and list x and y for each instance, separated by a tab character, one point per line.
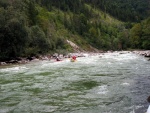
98	83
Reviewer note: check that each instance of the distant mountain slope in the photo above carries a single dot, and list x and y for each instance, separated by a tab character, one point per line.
34	27
125	10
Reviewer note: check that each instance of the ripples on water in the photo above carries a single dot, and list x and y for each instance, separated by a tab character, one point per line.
109	83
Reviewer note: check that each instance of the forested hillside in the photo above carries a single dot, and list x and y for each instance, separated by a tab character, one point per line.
125	10
33	27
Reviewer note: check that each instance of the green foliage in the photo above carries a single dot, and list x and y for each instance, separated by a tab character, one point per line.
4	3
32	27
140	35
38	40
126	10
145	39
135	35
31	11
13	34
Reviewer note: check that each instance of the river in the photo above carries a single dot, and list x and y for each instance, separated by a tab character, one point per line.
108	83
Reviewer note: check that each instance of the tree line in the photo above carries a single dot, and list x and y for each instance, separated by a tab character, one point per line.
29	28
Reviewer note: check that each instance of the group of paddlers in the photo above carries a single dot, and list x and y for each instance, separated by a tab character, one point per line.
73	58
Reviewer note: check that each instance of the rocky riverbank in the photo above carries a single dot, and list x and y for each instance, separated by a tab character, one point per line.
21	60
143	53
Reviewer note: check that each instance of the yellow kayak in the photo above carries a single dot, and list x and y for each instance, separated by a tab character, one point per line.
72	60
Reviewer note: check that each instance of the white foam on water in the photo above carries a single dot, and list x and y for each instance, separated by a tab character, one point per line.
125	84
14	69
126	57
88	60
103	89
55	79
86	55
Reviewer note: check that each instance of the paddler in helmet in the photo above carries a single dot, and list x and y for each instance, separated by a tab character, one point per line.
73	58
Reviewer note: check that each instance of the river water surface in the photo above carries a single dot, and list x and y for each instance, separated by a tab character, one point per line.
109	83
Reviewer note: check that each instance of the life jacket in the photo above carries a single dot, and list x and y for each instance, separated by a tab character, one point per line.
74	57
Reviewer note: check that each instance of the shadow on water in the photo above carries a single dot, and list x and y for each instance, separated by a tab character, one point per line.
140	92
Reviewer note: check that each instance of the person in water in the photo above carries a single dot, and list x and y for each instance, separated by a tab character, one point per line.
148	110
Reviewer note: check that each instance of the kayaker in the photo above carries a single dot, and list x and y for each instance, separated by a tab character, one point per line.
148	110
57	59
74	57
